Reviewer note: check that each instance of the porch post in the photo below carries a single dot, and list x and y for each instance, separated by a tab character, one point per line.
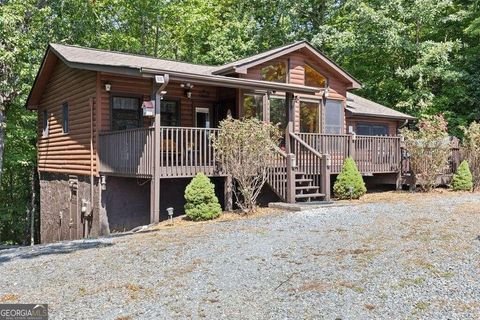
290	179
290	110
155	191
325	177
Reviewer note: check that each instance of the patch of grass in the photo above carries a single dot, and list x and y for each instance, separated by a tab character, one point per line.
421	305
369	306
124	318
313	286
352	286
9	297
404	283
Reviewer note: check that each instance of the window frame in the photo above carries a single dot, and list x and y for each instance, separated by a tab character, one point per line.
264	104
342	116
327	80
372	124
269	112
65	118
319	102
178	106
126	95
286	63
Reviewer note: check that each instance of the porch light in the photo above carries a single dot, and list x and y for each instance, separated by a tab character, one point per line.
108	86
188	94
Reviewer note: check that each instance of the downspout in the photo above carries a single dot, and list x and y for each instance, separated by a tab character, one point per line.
90	213
163	81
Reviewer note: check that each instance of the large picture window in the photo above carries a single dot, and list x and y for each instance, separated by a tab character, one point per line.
253	106
125	113
278	112
334	117
313	78
372	129
310	116
170	113
276	72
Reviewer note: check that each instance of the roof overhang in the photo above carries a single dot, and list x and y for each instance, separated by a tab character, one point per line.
230	82
375	115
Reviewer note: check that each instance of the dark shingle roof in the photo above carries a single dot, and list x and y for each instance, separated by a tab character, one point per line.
90	56
364	107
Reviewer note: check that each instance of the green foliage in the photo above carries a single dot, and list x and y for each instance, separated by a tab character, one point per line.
471	151
244	149
429	147
349	183
201	203
462	180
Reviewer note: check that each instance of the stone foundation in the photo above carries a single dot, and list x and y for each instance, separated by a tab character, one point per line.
61	217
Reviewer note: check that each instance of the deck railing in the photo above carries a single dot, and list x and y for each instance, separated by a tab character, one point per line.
183	152
373	154
127	152
278	173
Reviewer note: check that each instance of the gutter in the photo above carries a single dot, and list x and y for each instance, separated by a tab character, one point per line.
230	82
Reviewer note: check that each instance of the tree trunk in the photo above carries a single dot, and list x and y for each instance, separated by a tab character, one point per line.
2	142
32	207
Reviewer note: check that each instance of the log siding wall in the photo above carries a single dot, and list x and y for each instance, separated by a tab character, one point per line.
67	152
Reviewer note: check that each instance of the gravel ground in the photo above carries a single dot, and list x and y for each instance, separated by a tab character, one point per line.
414	256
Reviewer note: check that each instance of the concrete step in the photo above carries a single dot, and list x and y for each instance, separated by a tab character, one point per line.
309	195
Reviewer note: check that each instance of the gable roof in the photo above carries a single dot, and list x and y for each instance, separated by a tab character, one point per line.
143	66
75	56
241	66
359	106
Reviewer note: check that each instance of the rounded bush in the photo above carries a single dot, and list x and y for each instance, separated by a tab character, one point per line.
462	180
200	200
349	183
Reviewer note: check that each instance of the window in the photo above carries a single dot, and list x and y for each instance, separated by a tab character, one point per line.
278	112
372	129
65	118
276	72
45	123
310	116
313	78
253	106
169	113
333	116
125	113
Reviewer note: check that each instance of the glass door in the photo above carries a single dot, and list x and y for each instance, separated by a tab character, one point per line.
202	117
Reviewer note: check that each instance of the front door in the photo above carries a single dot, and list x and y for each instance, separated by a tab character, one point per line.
202	117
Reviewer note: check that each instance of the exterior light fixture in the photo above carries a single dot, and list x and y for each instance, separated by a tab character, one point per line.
188	93
170	214
108	87
188	89
103	182
159	79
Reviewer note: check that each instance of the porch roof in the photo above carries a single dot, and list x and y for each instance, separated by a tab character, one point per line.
359	106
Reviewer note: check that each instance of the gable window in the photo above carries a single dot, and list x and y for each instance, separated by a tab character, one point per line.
45	124
253	106
372	129
276	72
278	112
313	78
333	116
125	113
169	113
310	116
65	118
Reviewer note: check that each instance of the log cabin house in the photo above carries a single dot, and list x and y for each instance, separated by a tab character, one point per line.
120	135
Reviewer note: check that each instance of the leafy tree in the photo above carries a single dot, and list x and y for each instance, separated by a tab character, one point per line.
244	148
429	148
462	180
201	203
471	150
349	183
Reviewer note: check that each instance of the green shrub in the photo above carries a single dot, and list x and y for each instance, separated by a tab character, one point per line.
200	200
462	179
349	183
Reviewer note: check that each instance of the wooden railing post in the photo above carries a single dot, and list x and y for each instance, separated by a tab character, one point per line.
325	176
290	178
351	145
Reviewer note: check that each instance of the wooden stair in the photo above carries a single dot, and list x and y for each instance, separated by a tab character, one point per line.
305	190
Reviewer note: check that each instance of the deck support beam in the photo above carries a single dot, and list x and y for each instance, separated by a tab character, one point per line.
155	193
325	177
290	178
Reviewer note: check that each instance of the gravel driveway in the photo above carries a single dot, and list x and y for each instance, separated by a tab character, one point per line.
414	256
